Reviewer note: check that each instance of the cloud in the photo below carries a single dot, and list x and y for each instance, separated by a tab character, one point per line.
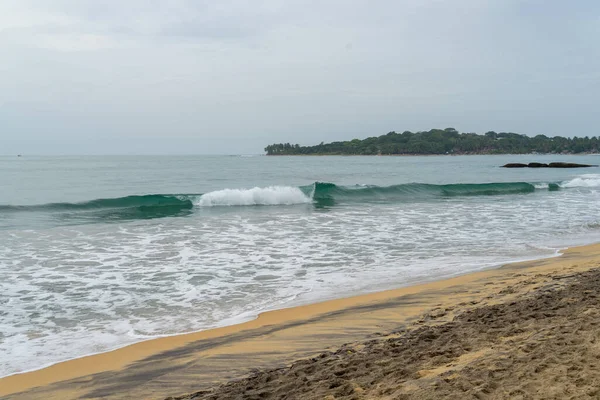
205	72
89	25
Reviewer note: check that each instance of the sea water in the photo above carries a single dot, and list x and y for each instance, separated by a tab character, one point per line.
100	252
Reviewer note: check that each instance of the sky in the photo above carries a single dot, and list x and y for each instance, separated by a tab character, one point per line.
232	76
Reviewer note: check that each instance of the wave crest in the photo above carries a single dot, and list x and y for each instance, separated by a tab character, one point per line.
587	180
327	194
268	196
320	194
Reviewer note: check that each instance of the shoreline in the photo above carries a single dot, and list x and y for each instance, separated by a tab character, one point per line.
540	343
252	316
327	319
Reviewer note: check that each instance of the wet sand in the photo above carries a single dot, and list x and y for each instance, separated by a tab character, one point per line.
526	330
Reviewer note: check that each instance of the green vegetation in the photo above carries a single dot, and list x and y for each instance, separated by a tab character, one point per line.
444	141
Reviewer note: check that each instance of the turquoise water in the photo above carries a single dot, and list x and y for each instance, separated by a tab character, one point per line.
100	252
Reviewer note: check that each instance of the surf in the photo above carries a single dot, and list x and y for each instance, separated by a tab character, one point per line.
268	196
319	194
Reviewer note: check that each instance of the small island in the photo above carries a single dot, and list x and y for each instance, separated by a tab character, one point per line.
444	141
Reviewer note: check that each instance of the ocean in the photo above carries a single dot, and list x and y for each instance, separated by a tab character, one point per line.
100	252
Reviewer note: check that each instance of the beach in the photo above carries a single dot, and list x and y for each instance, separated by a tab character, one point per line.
525	330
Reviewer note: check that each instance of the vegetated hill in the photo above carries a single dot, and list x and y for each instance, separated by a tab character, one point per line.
444	141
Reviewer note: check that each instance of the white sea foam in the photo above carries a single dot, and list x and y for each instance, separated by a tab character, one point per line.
587	180
273	195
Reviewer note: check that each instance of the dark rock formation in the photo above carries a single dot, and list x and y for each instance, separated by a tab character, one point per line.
569	165
537	165
514	165
551	165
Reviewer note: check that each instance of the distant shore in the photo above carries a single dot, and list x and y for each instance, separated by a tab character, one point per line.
432	155
188	363
445	141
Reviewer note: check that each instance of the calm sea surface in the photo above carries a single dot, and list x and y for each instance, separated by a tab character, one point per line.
100	252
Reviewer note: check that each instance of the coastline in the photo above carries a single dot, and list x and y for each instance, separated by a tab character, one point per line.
182	364
432	155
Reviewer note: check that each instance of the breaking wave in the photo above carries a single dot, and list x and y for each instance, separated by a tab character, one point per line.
320	194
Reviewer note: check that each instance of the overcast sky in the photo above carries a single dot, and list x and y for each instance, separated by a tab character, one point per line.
229	76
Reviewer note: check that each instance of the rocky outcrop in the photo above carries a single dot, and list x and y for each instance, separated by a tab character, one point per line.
551	165
568	165
514	165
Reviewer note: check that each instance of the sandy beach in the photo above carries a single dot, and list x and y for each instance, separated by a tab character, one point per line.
526	330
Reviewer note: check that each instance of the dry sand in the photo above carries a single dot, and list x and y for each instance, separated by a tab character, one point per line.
526	330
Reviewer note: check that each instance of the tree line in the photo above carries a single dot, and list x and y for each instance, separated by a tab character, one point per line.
444	141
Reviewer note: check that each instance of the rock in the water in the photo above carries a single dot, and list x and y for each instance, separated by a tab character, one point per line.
537	165
551	165
569	165
514	165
